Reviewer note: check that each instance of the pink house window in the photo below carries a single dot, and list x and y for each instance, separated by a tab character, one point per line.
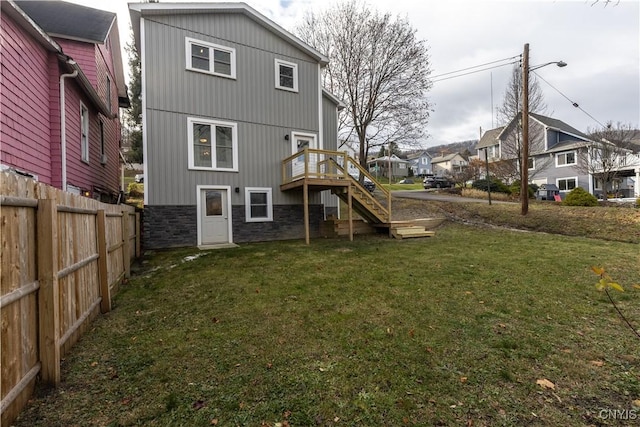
84	135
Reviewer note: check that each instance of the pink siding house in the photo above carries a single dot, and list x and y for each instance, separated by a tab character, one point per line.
61	87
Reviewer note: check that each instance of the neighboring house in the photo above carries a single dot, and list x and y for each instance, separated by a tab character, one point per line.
448	164
380	167
489	145
420	163
228	95
62	85
558	153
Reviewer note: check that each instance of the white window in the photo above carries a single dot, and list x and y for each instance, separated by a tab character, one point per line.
84	133
258	204
532	163
210	58
213	145
424	160
567	184
402	166
566	159
286	75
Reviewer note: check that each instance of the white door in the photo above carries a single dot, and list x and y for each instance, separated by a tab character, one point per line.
300	142
214	218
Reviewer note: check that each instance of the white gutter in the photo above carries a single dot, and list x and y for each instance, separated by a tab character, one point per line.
63	129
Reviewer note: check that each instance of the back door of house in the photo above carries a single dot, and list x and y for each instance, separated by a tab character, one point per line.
300	142
214	218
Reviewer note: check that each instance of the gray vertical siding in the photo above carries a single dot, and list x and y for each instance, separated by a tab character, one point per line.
329	124
263	113
251	97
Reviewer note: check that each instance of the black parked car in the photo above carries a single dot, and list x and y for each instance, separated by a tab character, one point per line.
437	182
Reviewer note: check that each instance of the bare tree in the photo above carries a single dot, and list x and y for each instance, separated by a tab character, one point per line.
474	170
509	115
378	68
609	153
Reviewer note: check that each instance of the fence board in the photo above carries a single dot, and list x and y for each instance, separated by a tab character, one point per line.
50	280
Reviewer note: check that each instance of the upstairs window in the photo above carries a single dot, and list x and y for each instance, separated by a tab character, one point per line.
210	58
532	163
566	159
286	75
108	94
213	145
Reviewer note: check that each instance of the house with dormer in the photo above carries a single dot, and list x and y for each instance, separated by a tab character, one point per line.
558	154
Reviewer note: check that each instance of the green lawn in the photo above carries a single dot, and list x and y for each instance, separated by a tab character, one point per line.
452	330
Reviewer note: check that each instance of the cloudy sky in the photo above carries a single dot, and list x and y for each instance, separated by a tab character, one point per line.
600	43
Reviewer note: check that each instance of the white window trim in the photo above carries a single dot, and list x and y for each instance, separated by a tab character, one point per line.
279	62
234	135
575	157
247	203
84	144
295	135
212	47
566	179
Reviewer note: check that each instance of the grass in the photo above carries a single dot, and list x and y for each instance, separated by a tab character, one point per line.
452	330
600	222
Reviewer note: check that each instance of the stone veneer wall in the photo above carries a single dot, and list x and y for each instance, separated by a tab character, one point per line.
177	226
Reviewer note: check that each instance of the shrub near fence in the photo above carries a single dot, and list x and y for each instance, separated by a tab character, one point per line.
63	256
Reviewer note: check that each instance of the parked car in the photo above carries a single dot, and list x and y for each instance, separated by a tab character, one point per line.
437	182
139	178
368	184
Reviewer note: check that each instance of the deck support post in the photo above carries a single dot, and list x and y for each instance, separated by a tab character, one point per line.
305	193
350	203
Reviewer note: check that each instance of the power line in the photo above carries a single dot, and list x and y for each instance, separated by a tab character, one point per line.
477	66
472	72
575	104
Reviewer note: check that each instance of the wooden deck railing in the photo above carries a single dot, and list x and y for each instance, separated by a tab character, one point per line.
313	164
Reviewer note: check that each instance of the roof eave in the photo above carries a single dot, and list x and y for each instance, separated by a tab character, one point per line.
150	9
29	25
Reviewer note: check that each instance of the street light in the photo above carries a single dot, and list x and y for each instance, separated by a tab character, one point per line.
524	161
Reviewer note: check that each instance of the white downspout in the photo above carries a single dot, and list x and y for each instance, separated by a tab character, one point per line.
63	129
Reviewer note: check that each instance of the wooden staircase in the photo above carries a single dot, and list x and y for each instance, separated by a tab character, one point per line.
364	203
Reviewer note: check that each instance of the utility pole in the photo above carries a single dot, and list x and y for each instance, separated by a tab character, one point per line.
486	160
524	161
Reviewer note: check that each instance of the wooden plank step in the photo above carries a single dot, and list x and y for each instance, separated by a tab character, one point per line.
409	232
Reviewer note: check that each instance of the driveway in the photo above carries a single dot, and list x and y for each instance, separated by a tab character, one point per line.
433	195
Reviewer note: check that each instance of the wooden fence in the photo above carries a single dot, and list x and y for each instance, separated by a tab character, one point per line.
63	257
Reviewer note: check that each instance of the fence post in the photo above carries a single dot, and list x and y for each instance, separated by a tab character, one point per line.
138	236
126	252
48	299
105	292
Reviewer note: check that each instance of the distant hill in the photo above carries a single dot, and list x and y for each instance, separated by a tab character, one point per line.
444	149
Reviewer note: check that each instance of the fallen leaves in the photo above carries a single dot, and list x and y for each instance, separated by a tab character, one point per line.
597	363
546	384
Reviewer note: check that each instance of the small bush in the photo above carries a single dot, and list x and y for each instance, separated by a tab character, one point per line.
497	186
135	190
638	202
580	197
515	189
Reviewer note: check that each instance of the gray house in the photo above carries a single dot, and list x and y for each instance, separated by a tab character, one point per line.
558	153
227	96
